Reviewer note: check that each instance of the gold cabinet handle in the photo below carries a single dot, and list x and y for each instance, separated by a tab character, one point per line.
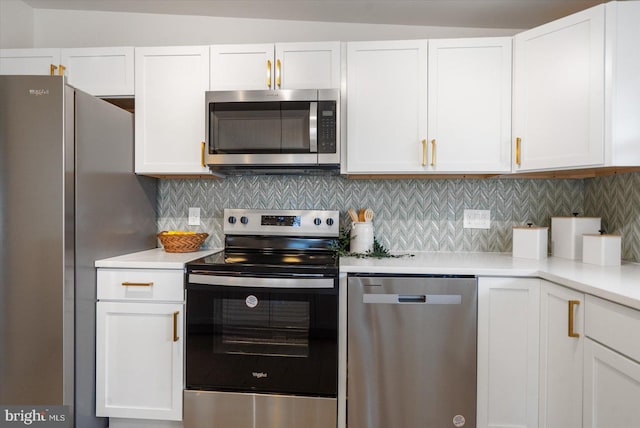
269	74
52	70
137	284
572	305
433	152
518	143
61	70
203	144
424	152
278	73
175	326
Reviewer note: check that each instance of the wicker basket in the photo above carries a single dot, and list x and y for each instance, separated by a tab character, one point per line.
186	243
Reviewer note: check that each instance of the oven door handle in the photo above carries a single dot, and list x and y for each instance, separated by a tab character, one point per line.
259	282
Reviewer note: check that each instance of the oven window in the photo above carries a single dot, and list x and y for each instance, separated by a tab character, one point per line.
259	127
271	328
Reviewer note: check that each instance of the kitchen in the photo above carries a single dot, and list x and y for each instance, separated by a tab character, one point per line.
432	208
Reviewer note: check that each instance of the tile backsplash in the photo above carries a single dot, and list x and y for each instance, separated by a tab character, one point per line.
616	199
410	215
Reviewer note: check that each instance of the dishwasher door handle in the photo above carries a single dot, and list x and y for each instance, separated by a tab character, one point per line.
424	299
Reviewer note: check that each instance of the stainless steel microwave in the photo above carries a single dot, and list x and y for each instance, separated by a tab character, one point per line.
279	132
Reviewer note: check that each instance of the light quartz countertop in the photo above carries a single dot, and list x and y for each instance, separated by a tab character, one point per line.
156	258
620	284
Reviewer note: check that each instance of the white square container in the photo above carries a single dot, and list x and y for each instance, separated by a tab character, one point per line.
530	242
603	250
566	235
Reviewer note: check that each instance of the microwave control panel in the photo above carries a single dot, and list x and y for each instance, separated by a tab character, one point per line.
327	121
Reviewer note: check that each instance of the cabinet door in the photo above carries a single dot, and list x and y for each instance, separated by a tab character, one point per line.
30	61
561	354
307	65
611	388
242	67
386	106
139	349
100	71
469	105
170	111
508	344
559	93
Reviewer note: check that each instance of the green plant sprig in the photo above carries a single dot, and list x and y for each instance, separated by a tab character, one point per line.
341	247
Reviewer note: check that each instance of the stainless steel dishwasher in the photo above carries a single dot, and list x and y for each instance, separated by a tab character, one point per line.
411	355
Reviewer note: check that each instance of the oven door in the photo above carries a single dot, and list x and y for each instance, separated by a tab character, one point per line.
265	335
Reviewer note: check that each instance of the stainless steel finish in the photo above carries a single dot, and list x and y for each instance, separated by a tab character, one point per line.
235	410
32	205
421	299
307	226
67	197
411	364
261	282
260	96
285	163
313	127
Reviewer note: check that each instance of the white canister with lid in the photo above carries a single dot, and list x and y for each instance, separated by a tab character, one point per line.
566	235
601	249
530	242
361	237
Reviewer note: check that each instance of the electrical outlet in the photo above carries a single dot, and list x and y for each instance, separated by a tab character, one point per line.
194	216
477	219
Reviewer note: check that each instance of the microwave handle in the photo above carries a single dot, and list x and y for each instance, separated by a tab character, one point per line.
313	127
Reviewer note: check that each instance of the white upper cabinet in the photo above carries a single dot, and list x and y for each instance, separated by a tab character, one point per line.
42	62
467	128
243	67
170	120
100	71
559	93
386	106
622	85
279	66
469	104
576	91
104	72
307	65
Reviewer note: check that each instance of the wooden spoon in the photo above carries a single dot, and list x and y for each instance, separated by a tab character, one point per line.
368	214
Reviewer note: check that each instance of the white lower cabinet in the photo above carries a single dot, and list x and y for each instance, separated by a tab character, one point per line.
139	346
611	388
508	343
611	365
561	354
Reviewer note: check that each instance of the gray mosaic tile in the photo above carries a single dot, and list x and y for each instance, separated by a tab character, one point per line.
411	215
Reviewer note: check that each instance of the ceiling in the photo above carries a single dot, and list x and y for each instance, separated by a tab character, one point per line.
520	14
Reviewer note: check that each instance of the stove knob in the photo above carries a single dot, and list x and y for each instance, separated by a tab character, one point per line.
329	222
317	221
244	220
232	220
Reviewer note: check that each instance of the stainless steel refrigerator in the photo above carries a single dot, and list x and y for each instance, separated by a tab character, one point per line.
68	196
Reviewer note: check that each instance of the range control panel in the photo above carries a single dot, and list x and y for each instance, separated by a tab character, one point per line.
281	222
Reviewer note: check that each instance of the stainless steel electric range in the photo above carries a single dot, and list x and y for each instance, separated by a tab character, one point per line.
262	324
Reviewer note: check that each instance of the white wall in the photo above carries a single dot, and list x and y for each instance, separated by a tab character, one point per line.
16	24
67	28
